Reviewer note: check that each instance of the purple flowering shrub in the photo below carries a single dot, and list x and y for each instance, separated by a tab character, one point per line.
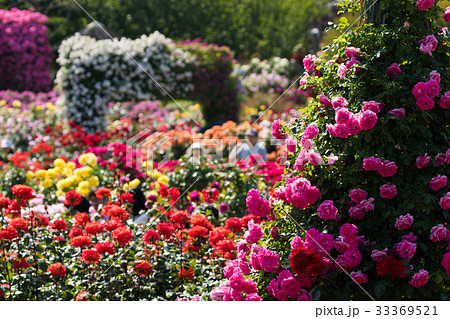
363	208
25	53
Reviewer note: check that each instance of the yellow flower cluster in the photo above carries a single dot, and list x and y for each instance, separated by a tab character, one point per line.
67	177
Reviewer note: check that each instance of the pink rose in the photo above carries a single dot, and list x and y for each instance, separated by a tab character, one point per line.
324	100
377	254
257	205
357	195
428	44
311	131
353	126
445	201
388	191
341	70
331	159
338	102
291	144
348	230
387	169
371	163
404	222
353	257
419	90
341	130
326	210
419	279
314	158
308	62
367	120
410	237
406	249
371	106
254	233
352	52
434	75
424	4
398	112
304	296
432	88
356	212
422	161
438	233
438	182
425	103
446	262
342	116
446	15
444	101
351	63
306	143
358	277
276	130
393	70
268	260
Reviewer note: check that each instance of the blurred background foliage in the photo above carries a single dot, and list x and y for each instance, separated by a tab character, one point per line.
262	28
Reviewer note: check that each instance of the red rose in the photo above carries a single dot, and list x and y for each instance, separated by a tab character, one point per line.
90	256
59	224
234	223
80	241
72	198
22	191
305	260
9	233
41	221
151	236
57	270
81	219
19	223
102	192
105	247
113	223
122	235
22	264
143	267
74	232
126	198
82	296
114	211
165	229
94	228
188	273
198	231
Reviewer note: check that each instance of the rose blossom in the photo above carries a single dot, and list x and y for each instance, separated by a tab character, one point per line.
314	158
357	195
276	130
353	126
358	277
419	90
308	62
424	4
438	182
338	102
410	237
324	100
387	169
326	210
406	250
428	44
371	163
434	75
331	159
422	161
342	116
438	233
367	120
371	106
352	52
446	262
432	88
425	103
257	205
419	279
341	130
404	222
445	201
400	112
393	70
377	254
388	191
444	101
446	15
348	230
311	131
291	144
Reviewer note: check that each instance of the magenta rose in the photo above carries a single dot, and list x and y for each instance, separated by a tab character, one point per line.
348	230
341	130
311	131
276	130
438	182
324	101
353	257
393	70
371	163
444	101
445	201
291	144
419	279
268	260
357	195
428	44
314	158
438	233
432	88
304	296
425	103
377	254
422	161
326	210
371	106
356	212
388	191
358	277
446	15
406	249
352	52
342	116
404	222
410	237
367	120
308	62
257	205
424	4
400	112
306	143
353	126
387	169
338	102
254	233
419	90
446	261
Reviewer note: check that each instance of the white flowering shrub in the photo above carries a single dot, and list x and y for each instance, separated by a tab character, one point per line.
94	72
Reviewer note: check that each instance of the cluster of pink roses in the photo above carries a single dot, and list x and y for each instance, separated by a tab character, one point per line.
25	50
287	286
299	192
352	55
348	123
441	159
360	204
425	92
385	168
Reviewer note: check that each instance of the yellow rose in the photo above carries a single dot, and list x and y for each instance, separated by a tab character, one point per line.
83	172
57	170
51	172
63	184
82	158
92	160
47	183
59	162
134	183
60	193
163	179
50	106
93	181
2	103
41	174
16	103
71	165
29	175
125	187
83	184
82	191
